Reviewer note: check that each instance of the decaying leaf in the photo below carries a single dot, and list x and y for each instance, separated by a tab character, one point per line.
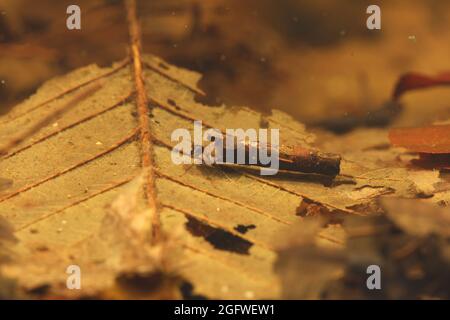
87	179
431	142
68	172
410	244
118	260
432	139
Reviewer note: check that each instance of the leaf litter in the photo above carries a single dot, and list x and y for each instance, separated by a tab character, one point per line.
410	243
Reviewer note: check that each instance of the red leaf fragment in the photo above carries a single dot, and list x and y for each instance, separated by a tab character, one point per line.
431	139
412	81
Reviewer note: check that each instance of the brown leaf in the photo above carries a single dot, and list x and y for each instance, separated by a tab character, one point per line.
431	139
82	162
66	173
118	261
74	198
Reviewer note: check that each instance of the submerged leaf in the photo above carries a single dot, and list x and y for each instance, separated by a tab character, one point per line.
67	173
223	220
431	139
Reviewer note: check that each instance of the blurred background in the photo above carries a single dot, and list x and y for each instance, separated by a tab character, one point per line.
315	60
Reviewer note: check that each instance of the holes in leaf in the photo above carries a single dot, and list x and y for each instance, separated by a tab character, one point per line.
187	291
243	228
220	239
173	103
